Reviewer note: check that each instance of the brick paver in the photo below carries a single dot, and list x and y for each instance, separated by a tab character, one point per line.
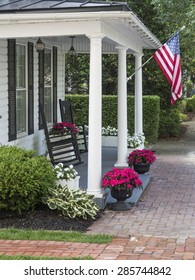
167	208
160	226
121	248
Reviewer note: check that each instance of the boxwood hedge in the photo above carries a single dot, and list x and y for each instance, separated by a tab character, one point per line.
151	109
24	178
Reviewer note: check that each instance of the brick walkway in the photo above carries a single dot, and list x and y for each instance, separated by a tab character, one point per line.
160	226
133	248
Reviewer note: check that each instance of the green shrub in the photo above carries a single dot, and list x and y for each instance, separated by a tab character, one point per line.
24	178
74	204
151	108
182	117
181	105
170	123
190	104
151	112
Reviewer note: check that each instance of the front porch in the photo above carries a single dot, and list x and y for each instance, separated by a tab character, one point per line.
99	27
109	157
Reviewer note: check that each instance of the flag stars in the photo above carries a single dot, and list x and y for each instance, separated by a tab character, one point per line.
173	44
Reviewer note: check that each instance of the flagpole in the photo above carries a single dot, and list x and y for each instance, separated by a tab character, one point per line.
130	77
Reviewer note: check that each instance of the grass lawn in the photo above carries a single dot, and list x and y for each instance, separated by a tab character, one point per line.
19	257
64	236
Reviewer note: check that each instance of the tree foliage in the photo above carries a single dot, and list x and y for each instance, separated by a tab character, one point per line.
173	15
163	18
77	74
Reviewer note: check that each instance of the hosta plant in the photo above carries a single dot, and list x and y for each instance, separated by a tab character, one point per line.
73	204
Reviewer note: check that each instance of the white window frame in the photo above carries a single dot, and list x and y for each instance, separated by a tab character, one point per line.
49	86
25	132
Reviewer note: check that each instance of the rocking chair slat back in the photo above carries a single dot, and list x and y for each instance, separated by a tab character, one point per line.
61	148
67	115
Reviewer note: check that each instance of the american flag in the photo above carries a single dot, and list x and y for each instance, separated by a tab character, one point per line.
168	58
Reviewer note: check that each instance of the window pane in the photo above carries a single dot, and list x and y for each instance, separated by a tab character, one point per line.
21	108
20	66
47	104
47	67
47	85
21	111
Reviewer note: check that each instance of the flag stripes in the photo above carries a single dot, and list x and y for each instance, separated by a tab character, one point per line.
168	58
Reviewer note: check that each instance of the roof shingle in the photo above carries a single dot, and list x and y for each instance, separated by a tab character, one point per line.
60	5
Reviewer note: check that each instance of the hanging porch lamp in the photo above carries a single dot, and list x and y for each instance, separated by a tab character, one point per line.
72	51
39	46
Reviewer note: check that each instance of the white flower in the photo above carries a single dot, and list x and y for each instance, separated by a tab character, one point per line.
135	140
58	175
66	173
109	131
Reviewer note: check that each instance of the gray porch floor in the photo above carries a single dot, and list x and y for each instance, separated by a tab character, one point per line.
109	157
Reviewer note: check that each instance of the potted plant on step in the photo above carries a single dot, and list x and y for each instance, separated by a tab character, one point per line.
121	183
134	141
141	160
67	176
109	136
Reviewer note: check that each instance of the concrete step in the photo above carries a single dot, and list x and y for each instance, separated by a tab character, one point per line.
137	193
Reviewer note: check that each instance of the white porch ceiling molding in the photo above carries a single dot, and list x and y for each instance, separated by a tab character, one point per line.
120	28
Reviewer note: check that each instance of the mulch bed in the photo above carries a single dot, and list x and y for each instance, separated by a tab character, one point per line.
43	218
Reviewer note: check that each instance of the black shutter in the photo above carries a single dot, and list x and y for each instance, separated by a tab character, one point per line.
12	89
30	88
41	85
55	84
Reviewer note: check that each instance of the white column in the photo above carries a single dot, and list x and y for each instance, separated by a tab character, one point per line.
122	108
138	95
95	118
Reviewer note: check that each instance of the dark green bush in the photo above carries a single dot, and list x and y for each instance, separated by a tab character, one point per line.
24	178
190	104
170	123
151	112
151	108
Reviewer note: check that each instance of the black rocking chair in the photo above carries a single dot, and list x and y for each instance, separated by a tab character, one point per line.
67	115
61	148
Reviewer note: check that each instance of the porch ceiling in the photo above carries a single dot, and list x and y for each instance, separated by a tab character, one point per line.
59	19
117	28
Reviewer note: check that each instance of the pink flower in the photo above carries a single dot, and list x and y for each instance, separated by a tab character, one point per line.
125	178
64	127
141	156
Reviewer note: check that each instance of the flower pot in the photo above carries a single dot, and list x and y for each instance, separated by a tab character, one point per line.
141	168
72	184
121	196
109	141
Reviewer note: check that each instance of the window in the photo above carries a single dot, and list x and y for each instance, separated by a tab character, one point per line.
48	85
21	90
